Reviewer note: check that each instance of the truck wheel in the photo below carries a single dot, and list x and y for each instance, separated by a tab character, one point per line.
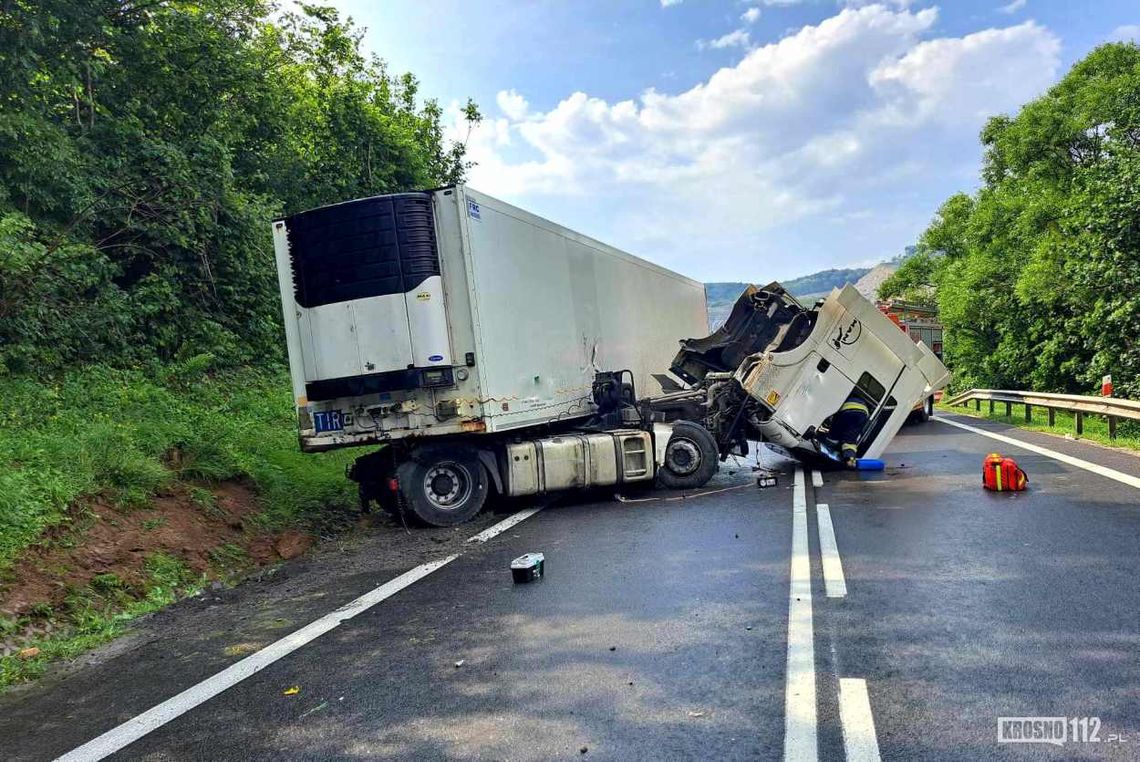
690	457
442	486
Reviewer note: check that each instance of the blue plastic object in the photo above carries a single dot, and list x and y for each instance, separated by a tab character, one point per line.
869	464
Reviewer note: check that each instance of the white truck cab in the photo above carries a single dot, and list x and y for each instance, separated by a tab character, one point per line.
853	349
780	371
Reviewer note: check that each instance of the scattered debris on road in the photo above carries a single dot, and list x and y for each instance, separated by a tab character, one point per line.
683	496
528	568
765	480
317	708
292	690
241	649
460	663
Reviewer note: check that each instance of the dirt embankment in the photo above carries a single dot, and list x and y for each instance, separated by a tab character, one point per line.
210	530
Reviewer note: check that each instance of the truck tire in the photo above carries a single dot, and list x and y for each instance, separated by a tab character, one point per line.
442	485
922	415
690	457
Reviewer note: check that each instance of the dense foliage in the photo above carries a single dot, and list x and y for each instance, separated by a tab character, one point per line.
1037	275
146	144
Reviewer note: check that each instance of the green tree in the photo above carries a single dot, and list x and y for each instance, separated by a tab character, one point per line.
1036	275
144	148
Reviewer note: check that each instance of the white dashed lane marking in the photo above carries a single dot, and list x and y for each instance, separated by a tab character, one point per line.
833	582
859	741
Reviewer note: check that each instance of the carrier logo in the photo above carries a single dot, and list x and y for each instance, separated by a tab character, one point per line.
849	335
436	358
473	210
1057	731
423	296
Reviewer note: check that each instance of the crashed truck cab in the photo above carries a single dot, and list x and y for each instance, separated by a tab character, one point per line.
801	365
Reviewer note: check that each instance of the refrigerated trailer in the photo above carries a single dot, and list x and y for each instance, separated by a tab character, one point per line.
474	340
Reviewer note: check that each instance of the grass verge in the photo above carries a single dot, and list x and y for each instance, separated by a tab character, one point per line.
1095	428
121	438
92	616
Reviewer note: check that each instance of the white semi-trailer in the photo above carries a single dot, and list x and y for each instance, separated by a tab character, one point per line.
469	336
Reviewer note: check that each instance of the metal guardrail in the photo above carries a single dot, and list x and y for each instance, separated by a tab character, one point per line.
1111	408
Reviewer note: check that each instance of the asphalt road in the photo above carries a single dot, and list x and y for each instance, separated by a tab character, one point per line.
662	630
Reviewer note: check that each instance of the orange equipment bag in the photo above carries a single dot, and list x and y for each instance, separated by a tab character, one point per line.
1002	474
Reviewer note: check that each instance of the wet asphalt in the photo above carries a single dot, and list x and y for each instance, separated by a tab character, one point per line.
660	630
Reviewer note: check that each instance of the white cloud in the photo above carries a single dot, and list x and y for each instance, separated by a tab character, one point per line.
899	4
861	111
513	105
670	3
750	16
738	38
1126	33
1013	6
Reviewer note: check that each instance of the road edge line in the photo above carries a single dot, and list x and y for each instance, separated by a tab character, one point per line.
1104	471
504	525
800	712
834	582
142	724
859	740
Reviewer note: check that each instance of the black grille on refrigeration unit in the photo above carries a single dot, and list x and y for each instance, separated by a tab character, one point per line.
369	247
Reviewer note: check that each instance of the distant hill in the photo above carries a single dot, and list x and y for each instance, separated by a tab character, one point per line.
869	284
807	285
721	296
807	288
823	281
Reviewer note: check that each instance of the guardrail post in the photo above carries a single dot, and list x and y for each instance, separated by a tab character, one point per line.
991	407
1052	417
978	405
1111	427
1028	413
1080	423
1009	410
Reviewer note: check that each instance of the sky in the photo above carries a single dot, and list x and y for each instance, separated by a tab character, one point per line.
735	140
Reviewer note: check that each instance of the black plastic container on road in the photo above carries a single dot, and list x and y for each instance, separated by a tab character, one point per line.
528	568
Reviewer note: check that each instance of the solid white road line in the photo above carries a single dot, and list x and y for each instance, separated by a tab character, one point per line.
834	583
816	478
505	524
137	727
1123	478
799	689
859	739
